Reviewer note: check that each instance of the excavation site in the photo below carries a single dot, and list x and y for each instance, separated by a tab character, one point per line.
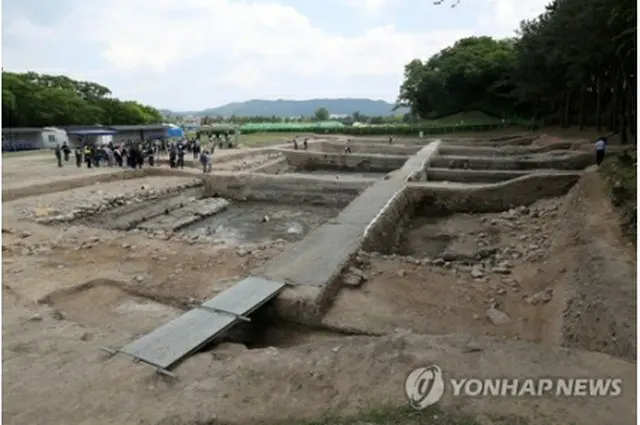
289	284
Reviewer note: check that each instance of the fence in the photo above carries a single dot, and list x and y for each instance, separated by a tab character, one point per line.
389	130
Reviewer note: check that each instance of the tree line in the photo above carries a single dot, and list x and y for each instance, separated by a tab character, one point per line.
39	100
575	64
322	114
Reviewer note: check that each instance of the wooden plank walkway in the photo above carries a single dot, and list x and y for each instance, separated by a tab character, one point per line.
166	345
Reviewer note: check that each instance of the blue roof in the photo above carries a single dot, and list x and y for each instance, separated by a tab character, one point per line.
94	132
175	132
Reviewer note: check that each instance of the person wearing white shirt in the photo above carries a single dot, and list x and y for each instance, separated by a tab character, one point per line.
601	148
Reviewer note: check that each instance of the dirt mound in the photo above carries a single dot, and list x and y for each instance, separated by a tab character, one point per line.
592	269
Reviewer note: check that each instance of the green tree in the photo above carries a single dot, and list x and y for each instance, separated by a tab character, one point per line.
573	64
322	114
462	77
37	100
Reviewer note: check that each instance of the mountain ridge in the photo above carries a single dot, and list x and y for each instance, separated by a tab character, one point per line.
294	108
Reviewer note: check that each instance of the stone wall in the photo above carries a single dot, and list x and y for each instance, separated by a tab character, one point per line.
385	232
473	176
381	140
277	166
370	148
308	304
283	188
574	161
491	198
354	162
415	169
485	151
508	140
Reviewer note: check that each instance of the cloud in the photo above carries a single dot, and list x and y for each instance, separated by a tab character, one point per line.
371	8
504	16
199	53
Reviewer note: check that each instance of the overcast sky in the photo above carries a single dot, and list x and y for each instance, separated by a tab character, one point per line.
194	54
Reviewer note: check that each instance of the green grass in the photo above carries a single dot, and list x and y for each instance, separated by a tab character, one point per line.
620	173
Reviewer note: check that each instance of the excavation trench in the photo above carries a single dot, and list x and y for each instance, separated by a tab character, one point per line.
219	220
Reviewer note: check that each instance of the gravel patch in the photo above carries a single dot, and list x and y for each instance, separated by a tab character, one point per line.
73	204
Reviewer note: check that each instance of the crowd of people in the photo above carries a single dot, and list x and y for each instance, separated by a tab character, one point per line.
136	154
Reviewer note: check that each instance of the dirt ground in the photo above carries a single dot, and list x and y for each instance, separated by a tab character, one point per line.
424	293
537	279
69	290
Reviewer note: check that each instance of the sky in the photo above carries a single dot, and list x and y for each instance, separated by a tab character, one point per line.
195	54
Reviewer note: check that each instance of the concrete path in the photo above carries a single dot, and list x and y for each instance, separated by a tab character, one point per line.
320	257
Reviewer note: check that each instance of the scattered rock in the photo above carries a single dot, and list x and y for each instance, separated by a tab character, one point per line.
24	234
497	317
477	273
57	315
354	277
541	297
501	270
44	212
295	229
35	318
401	273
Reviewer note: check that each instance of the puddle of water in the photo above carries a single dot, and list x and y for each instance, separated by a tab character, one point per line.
242	222
358	174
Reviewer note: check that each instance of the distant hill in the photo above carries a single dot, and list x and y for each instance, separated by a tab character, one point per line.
293	108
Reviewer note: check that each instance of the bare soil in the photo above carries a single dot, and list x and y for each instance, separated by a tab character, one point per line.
434	297
69	290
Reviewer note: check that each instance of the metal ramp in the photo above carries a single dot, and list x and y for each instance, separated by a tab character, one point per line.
166	345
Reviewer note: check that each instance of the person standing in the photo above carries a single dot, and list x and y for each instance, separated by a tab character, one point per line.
139	156
117	155
96	155
87	156
180	156
347	149
78	152
66	151
172	156
196	148
209	162
58	153
203	161
151	155
601	148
